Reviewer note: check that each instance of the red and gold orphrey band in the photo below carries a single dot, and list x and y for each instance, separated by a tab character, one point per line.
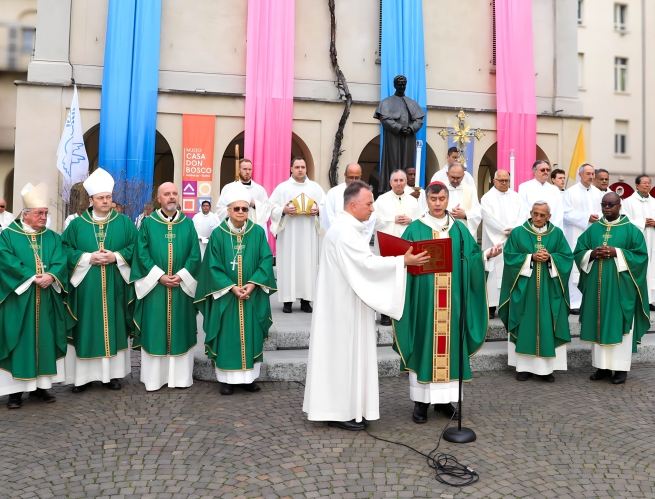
441	344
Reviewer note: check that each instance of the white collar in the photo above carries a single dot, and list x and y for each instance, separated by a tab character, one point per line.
96	217
234	229
27	228
439	224
613	221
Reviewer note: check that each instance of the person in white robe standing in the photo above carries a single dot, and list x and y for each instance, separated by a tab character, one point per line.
261	208
463	201
334	202
602	181
539	189
5	217
581	207
640	209
558	178
395	211
411	188
205	222
342	369
451	159
295	221
502	211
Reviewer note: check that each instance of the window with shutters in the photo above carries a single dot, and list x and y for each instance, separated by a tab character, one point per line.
580	12
620	74
379	58
493	41
621	137
620	17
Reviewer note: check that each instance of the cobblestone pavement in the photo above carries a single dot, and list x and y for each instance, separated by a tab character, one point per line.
569	439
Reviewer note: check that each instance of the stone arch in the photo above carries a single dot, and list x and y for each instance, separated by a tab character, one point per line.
542	155
431	163
487	169
369	160
9	190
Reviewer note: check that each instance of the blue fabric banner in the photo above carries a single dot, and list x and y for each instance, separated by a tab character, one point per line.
128	110
403	54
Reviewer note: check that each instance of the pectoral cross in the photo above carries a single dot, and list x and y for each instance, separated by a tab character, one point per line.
539	246
101	233
170	236
234	263
607	236
35	247
461	134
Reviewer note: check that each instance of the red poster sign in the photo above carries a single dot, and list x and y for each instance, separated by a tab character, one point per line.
198	160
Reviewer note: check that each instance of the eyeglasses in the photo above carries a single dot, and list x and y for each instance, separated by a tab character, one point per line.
544	170
3	206
539	215
609	205
40	214
237	209
503	181
351	178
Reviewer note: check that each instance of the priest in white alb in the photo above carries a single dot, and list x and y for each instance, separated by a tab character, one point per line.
334	201
463	201
502	211
5	217
451	159
581	206
260	207
342	369
295	221
205	222
539	189
640	210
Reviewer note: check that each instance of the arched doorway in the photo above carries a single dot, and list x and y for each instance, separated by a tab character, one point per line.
431	163
487	170
541	154
228	161
9	190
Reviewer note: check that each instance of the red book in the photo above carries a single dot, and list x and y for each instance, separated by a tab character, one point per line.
439	250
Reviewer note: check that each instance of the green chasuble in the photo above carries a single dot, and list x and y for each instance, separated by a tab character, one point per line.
101	303
235	329
165	318
535	309
33	324
611	300
427	335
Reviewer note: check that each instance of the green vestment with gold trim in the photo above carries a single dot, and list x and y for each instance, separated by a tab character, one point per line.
102	302
535	309
613	302
427	335
33	324
165	318
235	329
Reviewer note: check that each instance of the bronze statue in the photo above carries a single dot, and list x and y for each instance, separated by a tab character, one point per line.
401	118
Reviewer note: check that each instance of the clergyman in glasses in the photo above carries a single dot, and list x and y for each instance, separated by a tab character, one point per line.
534	296
539	189
33	315
5	217
236	281
581	205
502	211
613	260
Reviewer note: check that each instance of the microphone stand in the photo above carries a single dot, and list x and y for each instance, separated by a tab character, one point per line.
460	435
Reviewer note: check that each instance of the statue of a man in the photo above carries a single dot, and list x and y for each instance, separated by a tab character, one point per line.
401	118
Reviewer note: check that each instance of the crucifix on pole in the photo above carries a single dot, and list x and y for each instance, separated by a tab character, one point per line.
461	134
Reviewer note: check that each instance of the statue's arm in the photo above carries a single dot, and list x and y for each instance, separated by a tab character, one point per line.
390	124
416	124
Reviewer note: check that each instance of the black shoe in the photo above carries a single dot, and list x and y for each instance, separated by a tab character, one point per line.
347	425
619	377
447	410
287	307
523	376
575	311
600	374
385	320
227	389
81	388
44	395
492	312
548	378
305	306
252	387
15	401
652	307
420	414
113	384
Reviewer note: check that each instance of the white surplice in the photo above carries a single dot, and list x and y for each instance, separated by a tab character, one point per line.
342	368
638	209
442	176
387	207
334	205
205	225
500	211
467	198
5	219
579	203
533	191
297	240
258	214
69	219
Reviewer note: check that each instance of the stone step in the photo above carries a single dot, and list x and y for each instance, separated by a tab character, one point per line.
291	365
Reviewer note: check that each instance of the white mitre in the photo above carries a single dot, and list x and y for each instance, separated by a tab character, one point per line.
237	193
35	197
99	181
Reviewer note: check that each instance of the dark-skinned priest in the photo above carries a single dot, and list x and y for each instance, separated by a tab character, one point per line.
233	292
33	315
613	260
342	369
427	335
99	245
165	268
534	296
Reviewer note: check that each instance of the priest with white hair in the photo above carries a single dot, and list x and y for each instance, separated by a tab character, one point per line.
463	201
99	245
539	189
205	222
581	207
442	175
502	211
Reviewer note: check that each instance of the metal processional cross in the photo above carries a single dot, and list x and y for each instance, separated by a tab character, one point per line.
461	134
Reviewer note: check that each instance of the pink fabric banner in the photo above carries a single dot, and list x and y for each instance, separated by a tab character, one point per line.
515	88
269	90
